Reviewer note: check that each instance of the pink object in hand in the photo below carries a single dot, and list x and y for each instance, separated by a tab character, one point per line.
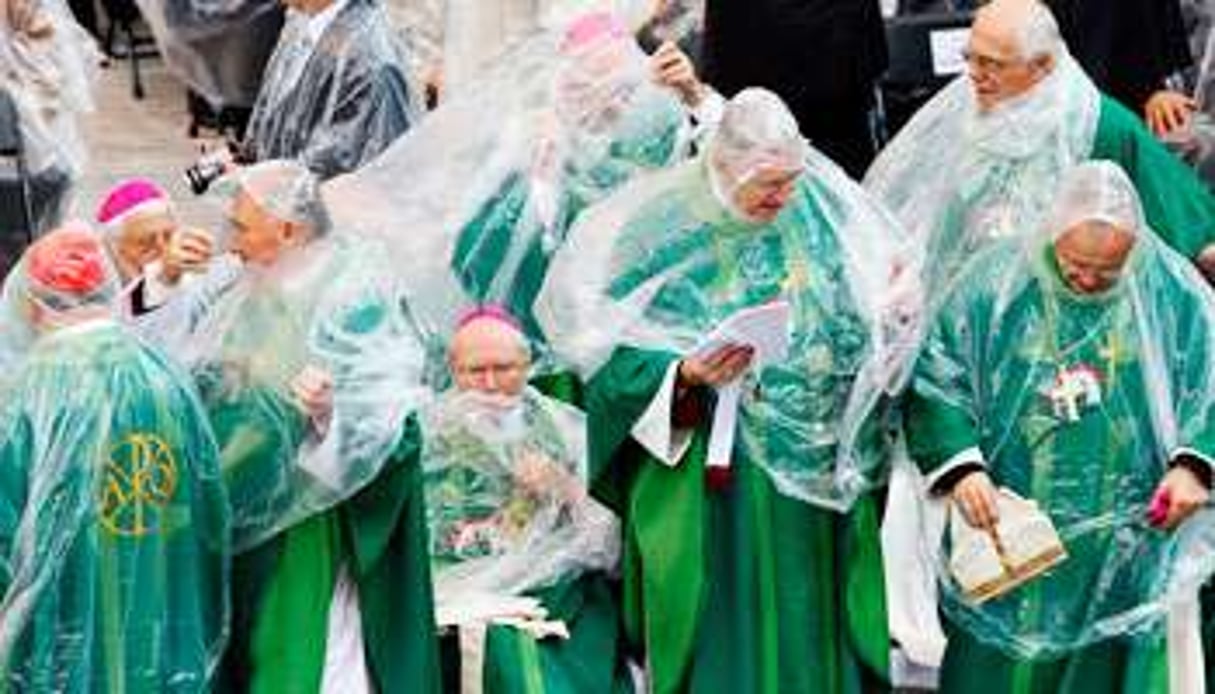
1158	509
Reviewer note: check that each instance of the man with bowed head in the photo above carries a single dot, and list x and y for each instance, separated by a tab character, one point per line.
1073	370
154	258
737	573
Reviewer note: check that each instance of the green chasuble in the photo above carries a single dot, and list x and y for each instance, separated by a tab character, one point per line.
960	179
590	661
114	531
1176	203
502	253
1064	394
330	306
740	590
1178	207
487	243
308	508
283	588
509	516
757	586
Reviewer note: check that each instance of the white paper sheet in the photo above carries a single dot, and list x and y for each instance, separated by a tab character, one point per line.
485	607
764	328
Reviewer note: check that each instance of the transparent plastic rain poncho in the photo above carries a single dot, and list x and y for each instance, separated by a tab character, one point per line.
329	305
217	47
1197	17
506	496
114	531
17	331
475	200
462	38
47	65
1009	329
161	328
16	328
959	179
660	264
337	102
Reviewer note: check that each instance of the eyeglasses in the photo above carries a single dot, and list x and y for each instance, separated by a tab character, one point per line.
988	64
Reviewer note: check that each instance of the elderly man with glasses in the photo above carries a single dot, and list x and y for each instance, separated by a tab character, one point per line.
983	158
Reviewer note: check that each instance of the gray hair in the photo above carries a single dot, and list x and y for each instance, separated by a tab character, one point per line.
286	189
756	128
1039	36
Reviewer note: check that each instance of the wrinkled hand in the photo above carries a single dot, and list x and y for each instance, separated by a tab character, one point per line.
722	366
26	17
1179	495
190	250
976	496
312	391
537	474
672	68
1167	111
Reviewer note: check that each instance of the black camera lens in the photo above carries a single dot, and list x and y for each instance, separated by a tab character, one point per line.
205	171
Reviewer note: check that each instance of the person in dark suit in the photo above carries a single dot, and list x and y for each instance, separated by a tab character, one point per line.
336	91
823	57
1131	48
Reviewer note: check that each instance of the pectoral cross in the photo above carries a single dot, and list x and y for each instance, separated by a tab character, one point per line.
1066	397
1072	387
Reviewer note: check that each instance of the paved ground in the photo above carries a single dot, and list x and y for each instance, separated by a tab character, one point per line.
141	138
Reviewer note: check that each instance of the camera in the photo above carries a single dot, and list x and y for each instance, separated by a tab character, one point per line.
209	168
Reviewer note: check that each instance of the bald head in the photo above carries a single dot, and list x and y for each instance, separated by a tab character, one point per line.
1014	45
1091	255
490	355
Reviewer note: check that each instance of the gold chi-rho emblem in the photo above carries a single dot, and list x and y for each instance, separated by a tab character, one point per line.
138	481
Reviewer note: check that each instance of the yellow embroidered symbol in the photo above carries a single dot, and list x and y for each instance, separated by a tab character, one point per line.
139	480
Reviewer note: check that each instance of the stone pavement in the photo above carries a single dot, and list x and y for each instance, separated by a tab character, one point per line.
146	138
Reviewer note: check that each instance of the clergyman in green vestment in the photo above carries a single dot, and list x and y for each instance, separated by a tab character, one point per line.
114	538
982	160
1074	370
757	570
475	201
311	373
521	554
